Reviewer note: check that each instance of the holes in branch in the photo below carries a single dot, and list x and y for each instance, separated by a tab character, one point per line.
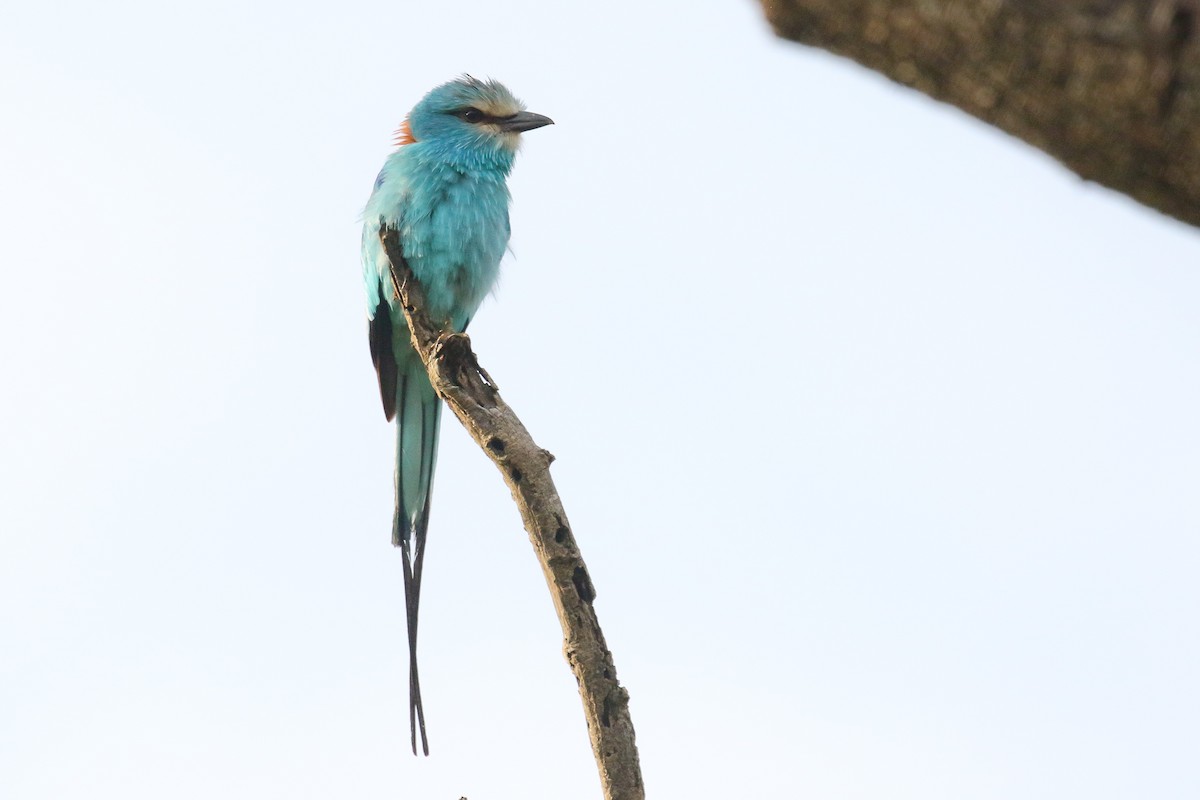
583	585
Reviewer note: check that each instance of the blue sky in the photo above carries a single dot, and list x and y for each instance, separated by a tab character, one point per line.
876	427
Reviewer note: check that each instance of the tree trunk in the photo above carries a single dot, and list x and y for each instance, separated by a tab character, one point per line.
1109	87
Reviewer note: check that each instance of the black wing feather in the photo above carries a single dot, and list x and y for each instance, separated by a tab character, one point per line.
380	332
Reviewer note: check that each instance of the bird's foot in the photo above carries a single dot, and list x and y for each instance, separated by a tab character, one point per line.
454	350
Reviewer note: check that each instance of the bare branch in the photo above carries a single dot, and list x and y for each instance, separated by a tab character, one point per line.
473	397
1109	87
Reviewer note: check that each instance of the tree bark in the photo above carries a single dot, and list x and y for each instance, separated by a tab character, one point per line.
1111	88
473	397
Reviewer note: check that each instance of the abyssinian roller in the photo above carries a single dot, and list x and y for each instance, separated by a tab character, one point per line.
444	191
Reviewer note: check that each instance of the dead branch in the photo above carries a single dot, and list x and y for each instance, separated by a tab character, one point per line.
473	397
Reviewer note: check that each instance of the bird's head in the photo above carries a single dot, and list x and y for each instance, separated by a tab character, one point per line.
470	116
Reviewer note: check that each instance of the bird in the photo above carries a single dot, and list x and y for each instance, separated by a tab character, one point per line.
444	191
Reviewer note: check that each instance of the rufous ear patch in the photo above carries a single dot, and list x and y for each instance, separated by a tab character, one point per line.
404	134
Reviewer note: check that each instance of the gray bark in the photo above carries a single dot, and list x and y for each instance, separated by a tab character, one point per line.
470	393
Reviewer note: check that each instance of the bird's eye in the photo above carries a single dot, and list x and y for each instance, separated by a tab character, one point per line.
472	114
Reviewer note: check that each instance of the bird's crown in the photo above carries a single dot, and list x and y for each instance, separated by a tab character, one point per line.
469	113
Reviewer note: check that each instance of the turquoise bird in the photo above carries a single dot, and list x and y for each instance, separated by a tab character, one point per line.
444	191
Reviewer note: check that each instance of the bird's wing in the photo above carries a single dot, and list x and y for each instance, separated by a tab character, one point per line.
386	204
409	399
380	334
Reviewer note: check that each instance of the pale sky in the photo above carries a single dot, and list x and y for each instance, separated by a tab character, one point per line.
877	428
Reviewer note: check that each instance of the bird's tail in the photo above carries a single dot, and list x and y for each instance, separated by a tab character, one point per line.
418	412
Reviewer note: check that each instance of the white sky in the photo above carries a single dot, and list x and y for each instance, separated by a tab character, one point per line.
877	428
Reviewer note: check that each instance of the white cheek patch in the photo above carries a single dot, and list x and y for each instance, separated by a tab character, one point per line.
508	139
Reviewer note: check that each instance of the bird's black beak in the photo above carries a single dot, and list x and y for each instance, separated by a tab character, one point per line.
524	121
